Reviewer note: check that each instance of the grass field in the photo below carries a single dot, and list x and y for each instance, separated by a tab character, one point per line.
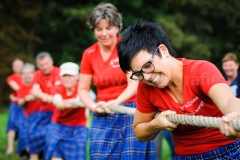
3	142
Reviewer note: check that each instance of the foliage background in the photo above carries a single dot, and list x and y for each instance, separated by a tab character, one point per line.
197	29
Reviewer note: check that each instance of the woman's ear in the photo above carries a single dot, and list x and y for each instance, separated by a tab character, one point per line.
163	50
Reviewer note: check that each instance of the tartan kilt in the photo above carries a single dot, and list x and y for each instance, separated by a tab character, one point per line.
66	142
230	151
112	137
15	116
37	132
23	141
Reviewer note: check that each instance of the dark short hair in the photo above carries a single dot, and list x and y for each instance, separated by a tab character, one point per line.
139	36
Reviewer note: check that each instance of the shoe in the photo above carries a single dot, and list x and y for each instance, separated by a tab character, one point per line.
9	151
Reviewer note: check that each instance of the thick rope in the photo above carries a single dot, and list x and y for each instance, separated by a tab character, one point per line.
201	121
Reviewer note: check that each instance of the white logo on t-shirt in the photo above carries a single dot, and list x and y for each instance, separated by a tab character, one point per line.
115	63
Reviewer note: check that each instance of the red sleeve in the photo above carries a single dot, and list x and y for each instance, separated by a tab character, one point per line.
86	63
57	89
208	75
36	77
21	93
10	78
143	103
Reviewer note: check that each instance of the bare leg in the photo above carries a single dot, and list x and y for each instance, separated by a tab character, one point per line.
34	157
56	158
11	136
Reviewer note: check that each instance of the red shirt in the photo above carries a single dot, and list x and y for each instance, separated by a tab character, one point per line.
47	84
198	78
30	106
108	77
70	117
16	78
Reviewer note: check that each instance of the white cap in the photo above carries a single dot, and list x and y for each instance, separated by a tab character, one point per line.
69	68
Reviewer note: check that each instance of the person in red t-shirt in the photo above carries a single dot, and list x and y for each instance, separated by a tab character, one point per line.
68	125
111	134
15	113
45	80
27	100
182	86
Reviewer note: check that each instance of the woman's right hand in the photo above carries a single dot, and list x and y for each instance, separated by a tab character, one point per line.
162	123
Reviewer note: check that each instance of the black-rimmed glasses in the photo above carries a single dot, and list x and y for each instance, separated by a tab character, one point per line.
146	68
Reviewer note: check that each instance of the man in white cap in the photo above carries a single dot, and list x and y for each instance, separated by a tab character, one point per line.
68	125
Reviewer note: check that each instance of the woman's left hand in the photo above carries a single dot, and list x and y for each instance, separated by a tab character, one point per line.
226	129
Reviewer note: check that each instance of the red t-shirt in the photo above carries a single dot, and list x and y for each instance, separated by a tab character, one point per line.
69	117
17	78
198	78
47	84
30	106
108	77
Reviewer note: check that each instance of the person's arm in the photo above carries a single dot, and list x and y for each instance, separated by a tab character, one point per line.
12	97
228	104
38	94
83	92
146	127
129	92
24	100
13	85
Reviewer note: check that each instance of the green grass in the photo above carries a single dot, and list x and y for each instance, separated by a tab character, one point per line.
3	142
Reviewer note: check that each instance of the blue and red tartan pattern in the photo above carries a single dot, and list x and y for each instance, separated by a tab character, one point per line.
37	132
66	142
112	137
15	116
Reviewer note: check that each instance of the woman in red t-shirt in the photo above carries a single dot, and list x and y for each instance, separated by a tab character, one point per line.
183	86
111	134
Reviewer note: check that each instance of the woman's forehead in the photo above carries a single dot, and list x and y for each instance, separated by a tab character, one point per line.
139	60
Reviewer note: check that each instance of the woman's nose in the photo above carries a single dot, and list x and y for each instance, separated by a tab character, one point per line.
146	76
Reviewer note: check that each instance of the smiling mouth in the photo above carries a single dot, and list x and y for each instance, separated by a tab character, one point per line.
155	79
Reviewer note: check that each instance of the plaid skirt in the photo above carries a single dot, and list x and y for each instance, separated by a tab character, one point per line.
37	132
15	116
112	137
66	142
228	152
23	140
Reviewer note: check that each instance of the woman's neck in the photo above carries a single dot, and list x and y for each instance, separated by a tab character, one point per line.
177	74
